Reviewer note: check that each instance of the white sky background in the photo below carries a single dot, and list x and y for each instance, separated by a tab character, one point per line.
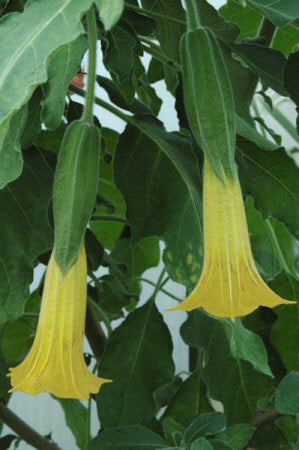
42	412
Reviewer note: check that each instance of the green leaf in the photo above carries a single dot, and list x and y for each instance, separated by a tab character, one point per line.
75	188
76	417
261	244
169	34
138	359
290	76
211	118
189	401
171	426
247	346
33	122
233	382
25	230
27	40
137	258
285	334
51	140
11	162
118	48
164	393
277	174
113	295
280	13
158	176
63	64
17	338
236	436
108	231
247	19
140	23
219	445
110	11
127	438
287	394
4	382
204	425
201	444
267	63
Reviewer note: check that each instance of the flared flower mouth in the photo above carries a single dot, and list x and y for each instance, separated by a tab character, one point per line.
55	362
229	285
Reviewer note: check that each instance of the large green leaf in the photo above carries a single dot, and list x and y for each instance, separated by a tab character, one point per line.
189	401
169	34
233	382
287	394
280	12
138	360
267	63
266	175
110	11
63	65
125	438
11	162
27	40
158	176
25	230
76	417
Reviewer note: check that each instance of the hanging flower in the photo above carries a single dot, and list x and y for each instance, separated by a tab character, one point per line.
229	284
55	362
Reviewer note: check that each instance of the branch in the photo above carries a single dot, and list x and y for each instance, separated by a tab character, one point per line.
25	431
262	418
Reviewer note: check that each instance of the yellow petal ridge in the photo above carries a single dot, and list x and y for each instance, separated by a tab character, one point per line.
229	285
55	362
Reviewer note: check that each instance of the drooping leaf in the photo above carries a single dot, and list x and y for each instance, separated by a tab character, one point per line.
113	295
277	174
138	359
110	12
158	176
131	437
233	382
204	425
237	436
11	161
25	229
63	65
17	338
27	40
290	76
248	346
171	427
189	401
280	13
266	62
287	394
169	34
76	417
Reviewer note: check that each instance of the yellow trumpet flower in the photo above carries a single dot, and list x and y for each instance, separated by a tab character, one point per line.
55	362
230	284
